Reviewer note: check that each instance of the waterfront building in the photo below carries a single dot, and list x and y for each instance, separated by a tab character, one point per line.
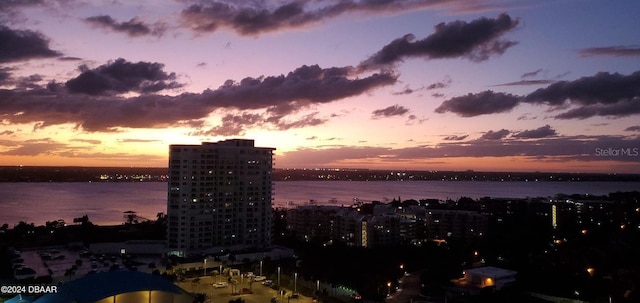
219	196
313	223
460	225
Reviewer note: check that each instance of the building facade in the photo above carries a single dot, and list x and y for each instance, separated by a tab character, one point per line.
219	196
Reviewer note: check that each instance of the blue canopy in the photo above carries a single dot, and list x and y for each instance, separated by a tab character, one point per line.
94	287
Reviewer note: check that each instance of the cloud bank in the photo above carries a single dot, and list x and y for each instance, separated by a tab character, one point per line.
603	94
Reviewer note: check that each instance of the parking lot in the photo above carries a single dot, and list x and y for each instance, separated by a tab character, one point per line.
259	293
64	264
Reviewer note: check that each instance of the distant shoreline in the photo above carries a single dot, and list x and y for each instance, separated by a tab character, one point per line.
160	174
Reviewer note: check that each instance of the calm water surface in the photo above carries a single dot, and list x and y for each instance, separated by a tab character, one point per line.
105	203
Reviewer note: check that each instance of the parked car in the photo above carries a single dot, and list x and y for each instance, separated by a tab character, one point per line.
220	284
259	278
267	282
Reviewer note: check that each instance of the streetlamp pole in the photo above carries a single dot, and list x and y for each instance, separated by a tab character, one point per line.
261	267
388	289
204	268
295	282
278	276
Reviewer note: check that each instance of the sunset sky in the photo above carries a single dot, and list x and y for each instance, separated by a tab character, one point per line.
398	84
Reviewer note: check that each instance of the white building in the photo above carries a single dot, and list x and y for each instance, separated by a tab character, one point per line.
219	195
489	276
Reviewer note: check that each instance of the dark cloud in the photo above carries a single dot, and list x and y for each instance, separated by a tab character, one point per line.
121	76
527	116
20	83
541	132
29	82
531	74
620	109
604	88
133	27
615	51
306	84
406	91
476	40
487	102
307	120
69	59
393	110
633	128
20	45
455	138
5	75
282	95
254	19
495	135
604	94
442	84
527	82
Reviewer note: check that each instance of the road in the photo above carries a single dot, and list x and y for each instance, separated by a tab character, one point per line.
410	290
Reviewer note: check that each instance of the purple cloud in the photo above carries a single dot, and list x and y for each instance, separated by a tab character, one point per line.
476	40
280	95
121	76
133	27
21	45
487	102
495	135
541	132
253	19
393	110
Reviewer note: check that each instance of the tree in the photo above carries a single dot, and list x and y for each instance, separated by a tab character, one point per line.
84	220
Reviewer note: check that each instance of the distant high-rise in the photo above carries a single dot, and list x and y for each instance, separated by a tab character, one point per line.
219	196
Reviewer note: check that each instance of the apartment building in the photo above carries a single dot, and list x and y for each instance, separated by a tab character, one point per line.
219	196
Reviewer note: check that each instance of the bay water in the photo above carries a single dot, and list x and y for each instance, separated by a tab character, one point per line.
105	203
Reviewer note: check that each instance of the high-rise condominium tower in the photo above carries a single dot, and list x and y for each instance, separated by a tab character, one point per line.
219	196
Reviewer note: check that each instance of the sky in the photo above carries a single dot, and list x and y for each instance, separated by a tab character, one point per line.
380	84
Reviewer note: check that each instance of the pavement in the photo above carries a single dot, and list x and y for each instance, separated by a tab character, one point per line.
260	293
409	292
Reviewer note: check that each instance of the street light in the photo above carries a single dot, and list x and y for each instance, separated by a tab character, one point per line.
295	282
220	272
204	268
278	276
260	267
388	289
